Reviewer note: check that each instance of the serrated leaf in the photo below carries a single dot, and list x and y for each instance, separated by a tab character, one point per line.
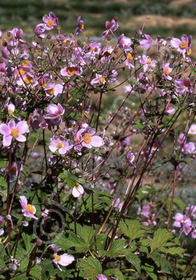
36	272
90	267
149	271
117	248
132	229
161	236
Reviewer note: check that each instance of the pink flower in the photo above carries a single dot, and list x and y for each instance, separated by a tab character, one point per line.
16	33
189	148
183	46
167	68
129	60
125	43
87	139
147	42
78	190
54	111
60	144
80	26
169	110
64	260
99	79
53	89
110	26
28	209
13	130
39	30
70	70
193	235
182	86
192	129
147	63
50	21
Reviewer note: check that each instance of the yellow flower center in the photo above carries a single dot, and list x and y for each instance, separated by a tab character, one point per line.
14	132
130	57
25	62
77	139
50	91
166	70
21	72
71	70
28	79
30	208
90	49
82	27
59	145
57	258
183	45
189	52
148	61
10	112
102	80
87	138
76	185
50	23
192	130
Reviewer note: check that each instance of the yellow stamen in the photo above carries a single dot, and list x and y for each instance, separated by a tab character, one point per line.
30	208
50	91
166	70
21	72
102	80
57	258
90	49
14	132
50	23
71	70
28	79
189	52
87	138
78	139
148	61
183	45
24	62
59	145
82	27
129	57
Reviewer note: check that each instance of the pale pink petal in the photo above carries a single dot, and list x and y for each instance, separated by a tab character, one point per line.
11	124
7	140
175	42
66	259
97	141
4	129
23	202
22	127
21	138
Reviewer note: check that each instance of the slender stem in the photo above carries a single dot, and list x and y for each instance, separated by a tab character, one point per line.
172	198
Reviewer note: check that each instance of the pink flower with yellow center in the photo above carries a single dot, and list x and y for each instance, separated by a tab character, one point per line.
71	70
50	21
87	138
167	68
99	79
78	190
192	129
147	42
13	130
53	89
183	46
59	144
28	209
64	260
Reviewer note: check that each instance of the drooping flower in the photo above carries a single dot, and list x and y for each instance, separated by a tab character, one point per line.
28	209
80	26
60	144
13	130
182	86
110	26
64	260
39	30
147	42
77	190
54	111
183	46
125	43
50	21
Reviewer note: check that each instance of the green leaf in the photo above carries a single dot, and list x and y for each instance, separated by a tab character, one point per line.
134	260
117	248
161	236
149	269
180	203
115	272
36	272
174	251
90	267
27	241
132	229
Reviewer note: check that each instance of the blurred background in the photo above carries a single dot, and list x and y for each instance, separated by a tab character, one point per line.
166	17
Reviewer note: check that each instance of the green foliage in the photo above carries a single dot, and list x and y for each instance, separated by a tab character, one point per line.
89	268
